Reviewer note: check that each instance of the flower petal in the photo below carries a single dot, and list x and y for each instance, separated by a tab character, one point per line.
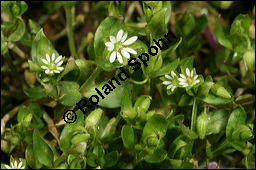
58	59
19	165
60	68
7	167
112	39
15	164
167	82
56	71
44	67
195	77
192	72
119	35
119	57
109	44
173	88
182	80
184	77
173	74
48	58
183	83
130	40
112	57
129	50
124	37
170	86
59	63
195	82
53	57
167	76
187	72
125	54
47	71
45	61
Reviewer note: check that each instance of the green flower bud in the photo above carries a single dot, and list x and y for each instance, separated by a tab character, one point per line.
220	91
249	59
93	118
80	138
202	125
152	141
110	128
150	113
145	104
129	113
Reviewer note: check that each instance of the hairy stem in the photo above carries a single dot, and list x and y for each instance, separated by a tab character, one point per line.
194	112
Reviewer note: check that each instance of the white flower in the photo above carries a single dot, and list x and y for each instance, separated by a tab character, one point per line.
189	80
119	44
15	165
52	65
170	83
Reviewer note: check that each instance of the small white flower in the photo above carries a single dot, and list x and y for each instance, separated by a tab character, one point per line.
170	83
15	165
52	65
189	80
118	46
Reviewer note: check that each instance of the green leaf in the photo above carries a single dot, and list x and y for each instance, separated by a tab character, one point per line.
168	52
167	68
91	159
98	150
158	156
69	94
204	89
128	137
240	25
111	158
42	151
93	118
237	117
180	147
202	125
4	44
40	47
187	62
186	24
35	92
67	133
214	100
34	27
18	31
30	158
243	133
217	121
189	133
103	33
221	38
23	112
156	126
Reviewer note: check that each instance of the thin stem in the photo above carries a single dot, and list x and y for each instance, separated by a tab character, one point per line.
89	81
71	41
248	42
138	82
194	112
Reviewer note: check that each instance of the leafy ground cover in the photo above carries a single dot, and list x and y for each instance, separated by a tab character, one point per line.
108	84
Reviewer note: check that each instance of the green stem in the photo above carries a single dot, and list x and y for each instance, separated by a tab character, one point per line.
60	159
248	42
71	41
193	119
89	81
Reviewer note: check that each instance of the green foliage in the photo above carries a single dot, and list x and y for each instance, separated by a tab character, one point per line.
188	103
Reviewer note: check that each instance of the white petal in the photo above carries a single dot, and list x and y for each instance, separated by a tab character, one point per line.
112	57
187	72
130	50
47	71
15	164
119	57
60	68
167	76
130	40
184	77
170	86
59	63
56	71
53	57
173	74
109	44
195	82
186	85
58	59
192	72
167	82
22	167
119	35
182	83
51	71
44	67
45	61
125	54
19	165
48	58
182	80
112	39
124	37
7	167
111	48
173	88
195	77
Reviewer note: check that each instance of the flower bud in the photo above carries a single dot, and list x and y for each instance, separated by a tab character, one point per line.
220	91
145	104
202	125
249	59
93	118
243	132
79	138
153	141
129	113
